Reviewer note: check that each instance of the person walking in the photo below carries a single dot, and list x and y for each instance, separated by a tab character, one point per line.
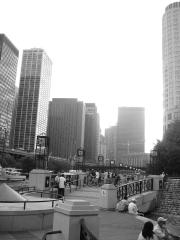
60	179
147	232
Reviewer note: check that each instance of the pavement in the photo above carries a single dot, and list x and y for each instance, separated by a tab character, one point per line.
113	225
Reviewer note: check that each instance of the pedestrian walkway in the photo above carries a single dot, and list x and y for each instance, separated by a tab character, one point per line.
113	225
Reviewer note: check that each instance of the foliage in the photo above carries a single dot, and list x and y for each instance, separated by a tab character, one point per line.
168	151
58	165
7	160
27	163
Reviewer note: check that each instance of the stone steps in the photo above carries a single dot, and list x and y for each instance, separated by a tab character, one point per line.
169	198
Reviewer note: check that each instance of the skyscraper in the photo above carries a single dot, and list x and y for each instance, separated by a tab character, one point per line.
130	131
92	133
111	139
171	64
66	127
8	68
33	99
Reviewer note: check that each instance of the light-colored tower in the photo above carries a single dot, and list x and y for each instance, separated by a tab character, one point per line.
171	64
65	127
8	69
33	99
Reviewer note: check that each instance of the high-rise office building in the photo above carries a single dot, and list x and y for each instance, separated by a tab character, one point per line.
65	127
110	138
33	99
8	69
92	133
130	131
13	119
171	64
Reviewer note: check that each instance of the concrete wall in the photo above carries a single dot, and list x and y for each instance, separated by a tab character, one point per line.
146	201
26	220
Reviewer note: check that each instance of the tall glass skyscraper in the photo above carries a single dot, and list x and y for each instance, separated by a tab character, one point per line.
66	127
8	69
33	99
171	64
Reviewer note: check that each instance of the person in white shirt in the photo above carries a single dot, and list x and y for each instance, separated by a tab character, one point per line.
132	208
60	179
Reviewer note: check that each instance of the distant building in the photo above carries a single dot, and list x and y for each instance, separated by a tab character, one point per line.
102	147
13	120
92	133
171	64
130	131
33	99
136	160
8	69
111	139
66	127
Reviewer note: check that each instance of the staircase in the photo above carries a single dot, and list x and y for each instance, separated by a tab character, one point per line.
169	201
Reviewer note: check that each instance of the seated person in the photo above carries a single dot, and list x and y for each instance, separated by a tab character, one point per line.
147	232
160	229
132	208
122	206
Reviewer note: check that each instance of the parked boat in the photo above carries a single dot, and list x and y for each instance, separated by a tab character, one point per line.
11	174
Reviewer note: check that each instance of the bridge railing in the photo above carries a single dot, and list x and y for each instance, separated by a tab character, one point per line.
133	188
31	201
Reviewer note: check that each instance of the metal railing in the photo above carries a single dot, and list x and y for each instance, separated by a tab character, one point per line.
85	233
133	188
51	233
25	202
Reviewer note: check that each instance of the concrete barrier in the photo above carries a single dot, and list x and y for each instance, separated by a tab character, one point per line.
67	217
108	197
15	221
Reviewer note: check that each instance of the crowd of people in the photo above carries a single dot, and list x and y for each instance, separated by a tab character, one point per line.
158	231
98	178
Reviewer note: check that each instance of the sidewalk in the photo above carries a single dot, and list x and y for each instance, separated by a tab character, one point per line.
113	225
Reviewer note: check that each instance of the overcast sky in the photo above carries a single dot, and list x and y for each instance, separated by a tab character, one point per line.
106	52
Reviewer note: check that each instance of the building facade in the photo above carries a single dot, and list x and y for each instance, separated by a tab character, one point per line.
136	160
130	131
102	149
8	69
33	98
171	64
13	119
66	122
92	133
111	138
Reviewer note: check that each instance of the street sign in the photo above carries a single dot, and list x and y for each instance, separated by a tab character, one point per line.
101	158
80	152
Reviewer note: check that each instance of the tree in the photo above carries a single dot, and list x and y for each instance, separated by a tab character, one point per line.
27	163
168	151
57	164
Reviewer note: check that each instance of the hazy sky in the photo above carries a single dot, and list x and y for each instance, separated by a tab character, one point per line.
107	52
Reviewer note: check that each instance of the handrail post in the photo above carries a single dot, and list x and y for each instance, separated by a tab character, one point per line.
24	205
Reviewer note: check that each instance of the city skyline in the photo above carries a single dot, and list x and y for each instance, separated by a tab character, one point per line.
102	52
